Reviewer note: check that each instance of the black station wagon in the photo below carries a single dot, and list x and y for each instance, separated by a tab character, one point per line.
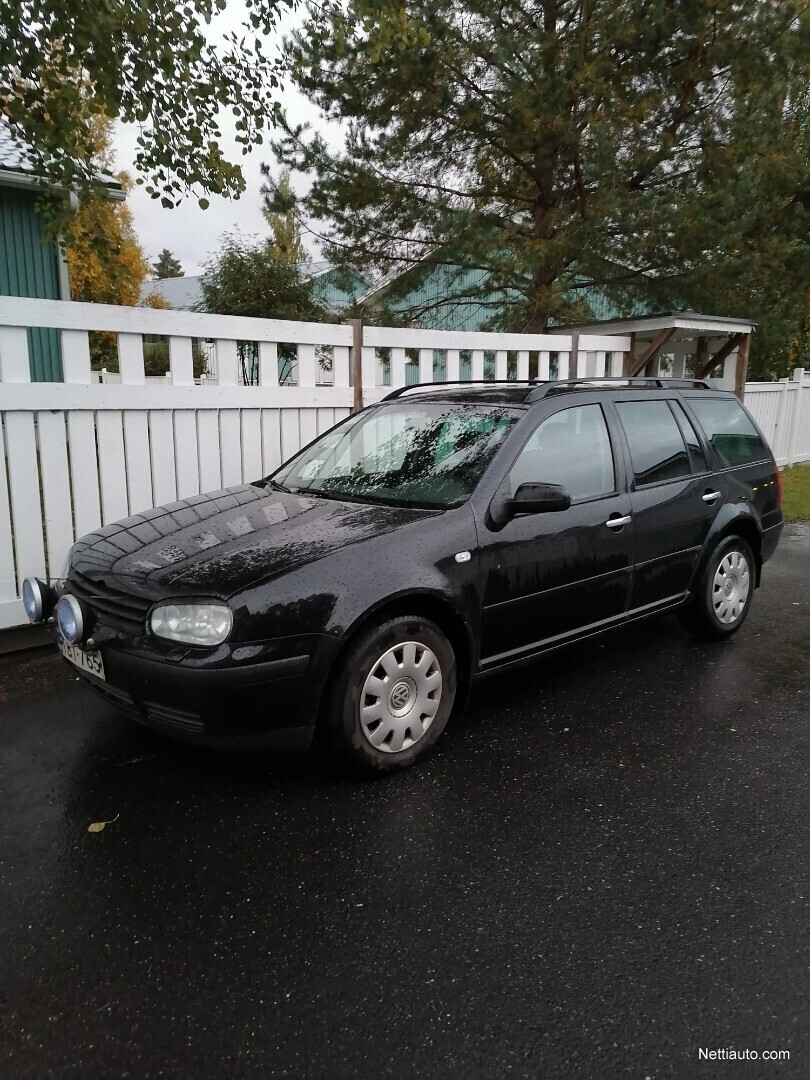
445	533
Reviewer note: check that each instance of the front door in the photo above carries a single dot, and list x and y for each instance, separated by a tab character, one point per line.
674	498
548	576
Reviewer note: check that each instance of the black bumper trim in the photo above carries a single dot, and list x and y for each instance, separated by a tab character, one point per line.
204	678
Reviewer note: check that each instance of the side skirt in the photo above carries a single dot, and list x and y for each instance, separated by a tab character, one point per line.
498	663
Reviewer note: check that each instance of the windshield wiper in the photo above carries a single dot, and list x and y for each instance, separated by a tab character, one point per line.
338	496
366	499
274	484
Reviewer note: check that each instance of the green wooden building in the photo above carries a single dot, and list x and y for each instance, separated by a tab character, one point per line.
436	300
30	264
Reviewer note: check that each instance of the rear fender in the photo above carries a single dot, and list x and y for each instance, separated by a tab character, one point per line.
732	520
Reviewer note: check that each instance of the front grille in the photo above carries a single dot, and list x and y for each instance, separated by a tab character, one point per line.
163	716
149	712
119	698
113	608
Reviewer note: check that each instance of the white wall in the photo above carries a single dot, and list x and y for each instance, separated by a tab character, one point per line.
782	410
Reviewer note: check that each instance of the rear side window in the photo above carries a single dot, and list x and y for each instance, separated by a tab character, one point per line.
696	453
728	428
657	449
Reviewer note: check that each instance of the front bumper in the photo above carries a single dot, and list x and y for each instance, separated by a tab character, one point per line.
261	696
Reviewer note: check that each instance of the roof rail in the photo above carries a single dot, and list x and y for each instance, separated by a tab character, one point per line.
537	389
634	382
400	390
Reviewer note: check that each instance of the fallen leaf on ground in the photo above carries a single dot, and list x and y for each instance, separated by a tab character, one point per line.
98	826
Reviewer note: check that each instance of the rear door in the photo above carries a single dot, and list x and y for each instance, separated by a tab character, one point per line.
549	576
674	496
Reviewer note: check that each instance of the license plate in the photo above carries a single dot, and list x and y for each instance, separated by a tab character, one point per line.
88	660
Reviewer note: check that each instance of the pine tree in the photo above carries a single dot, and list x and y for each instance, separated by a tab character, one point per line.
167	266
558	145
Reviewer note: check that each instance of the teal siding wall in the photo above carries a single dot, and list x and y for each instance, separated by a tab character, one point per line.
339	289
468	314
29	267
474	314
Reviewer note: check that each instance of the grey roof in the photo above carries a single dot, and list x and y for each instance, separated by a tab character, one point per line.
181	293
16	163
13	154
688	323
184	293
314	269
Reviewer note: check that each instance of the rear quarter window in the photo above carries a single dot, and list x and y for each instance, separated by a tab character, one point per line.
730	431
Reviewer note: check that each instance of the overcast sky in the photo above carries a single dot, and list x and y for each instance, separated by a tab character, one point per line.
192	234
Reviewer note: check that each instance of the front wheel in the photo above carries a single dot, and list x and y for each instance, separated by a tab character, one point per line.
394	695
723	592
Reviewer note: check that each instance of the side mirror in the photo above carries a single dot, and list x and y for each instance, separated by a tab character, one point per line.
539	499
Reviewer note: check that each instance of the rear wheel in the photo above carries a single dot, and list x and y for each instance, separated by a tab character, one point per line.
394	694
723	592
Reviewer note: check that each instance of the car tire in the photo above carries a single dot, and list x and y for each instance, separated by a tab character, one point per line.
393	695
722	593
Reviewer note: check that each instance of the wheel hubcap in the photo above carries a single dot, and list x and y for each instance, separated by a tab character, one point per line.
732	582
401	696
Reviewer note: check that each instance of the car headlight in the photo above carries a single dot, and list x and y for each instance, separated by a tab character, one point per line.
38	599
193	624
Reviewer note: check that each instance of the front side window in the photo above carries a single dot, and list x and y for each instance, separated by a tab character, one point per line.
405	454
571	448
657	449
728	428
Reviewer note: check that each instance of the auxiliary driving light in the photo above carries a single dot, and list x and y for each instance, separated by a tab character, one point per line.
70	618
38	599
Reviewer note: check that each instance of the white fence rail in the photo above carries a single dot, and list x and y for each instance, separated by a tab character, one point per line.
782	410
82	453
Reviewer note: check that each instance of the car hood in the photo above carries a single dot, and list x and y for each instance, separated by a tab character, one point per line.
220	543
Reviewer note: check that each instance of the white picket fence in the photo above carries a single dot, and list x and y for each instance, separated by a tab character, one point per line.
782	410
79	454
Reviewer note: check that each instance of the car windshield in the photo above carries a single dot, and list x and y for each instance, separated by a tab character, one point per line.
406	454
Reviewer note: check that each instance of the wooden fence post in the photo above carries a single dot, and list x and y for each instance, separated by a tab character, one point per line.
357	363
629	358
741	369
795	419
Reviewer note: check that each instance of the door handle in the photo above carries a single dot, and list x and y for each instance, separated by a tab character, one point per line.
711	497
618	522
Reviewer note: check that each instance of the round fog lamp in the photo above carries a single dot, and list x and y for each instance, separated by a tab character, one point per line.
70	619
33	599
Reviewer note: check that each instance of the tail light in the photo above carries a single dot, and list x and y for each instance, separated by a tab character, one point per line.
778	488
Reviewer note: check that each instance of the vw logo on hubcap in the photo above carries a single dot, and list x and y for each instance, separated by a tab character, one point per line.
400	696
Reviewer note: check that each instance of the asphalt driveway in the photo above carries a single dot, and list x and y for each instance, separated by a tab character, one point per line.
602	871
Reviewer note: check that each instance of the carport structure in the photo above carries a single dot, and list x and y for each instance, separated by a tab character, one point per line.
682	344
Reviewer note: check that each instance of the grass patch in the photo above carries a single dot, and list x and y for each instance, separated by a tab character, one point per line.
796	493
